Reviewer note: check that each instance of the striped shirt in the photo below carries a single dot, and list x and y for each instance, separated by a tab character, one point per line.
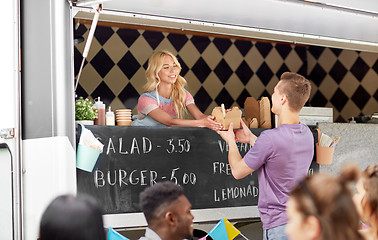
148	102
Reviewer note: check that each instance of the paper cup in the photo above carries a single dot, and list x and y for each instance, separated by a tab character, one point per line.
124	118
123	115
324	155
124	122
123	111
86	157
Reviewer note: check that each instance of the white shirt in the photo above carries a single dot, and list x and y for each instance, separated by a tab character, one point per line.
150	235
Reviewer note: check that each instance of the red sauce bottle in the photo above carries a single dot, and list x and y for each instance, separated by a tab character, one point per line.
100	106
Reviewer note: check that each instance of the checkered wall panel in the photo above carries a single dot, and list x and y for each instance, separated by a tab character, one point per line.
225	70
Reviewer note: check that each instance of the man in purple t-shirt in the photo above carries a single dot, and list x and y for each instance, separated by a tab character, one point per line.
281	155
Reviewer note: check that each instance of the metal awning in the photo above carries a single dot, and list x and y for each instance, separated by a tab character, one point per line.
343	24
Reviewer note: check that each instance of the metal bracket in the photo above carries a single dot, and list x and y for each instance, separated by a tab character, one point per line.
7	133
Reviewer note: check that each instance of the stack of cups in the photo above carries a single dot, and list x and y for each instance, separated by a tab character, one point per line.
123	117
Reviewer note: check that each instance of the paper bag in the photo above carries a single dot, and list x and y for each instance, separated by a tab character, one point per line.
257	113
251	109
265	119
233	116
251	123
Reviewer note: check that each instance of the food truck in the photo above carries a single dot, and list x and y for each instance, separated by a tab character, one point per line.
38	130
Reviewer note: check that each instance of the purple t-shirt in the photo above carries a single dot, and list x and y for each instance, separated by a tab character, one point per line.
282	157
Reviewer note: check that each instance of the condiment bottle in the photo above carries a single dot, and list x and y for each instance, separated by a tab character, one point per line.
100	106
110	121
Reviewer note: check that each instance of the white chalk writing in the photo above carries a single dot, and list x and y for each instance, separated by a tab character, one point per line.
243	147
235	192
122	177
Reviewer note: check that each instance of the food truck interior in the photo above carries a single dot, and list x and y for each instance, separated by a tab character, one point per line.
228	50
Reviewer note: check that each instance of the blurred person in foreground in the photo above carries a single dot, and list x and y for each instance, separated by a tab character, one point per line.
321	208
72	218
366	201
167	212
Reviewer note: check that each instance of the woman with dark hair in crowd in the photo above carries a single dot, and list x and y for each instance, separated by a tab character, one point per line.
321	207
72	218
366	201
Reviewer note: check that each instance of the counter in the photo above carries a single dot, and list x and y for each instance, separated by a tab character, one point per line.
358	144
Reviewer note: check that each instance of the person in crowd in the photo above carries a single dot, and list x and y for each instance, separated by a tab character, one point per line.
165	99
72	218
167	212
320	207
281	155
366	201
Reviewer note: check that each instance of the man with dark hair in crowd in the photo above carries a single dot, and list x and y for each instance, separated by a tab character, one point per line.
167	212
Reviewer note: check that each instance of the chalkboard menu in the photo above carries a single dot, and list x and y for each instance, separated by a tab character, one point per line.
134	158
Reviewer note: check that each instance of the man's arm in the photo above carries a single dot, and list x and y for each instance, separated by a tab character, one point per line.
239	168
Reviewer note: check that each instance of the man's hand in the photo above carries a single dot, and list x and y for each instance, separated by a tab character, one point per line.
245	135
228	135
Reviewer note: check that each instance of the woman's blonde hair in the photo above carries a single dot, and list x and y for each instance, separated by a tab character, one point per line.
155	64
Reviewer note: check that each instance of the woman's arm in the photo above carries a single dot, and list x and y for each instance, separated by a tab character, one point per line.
195	112
164	118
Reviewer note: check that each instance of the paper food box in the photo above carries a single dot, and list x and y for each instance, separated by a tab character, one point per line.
257	113
234	115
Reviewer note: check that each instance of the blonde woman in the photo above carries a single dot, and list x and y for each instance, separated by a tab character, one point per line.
165	100
366	201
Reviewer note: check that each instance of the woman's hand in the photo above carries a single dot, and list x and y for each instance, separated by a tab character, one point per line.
208	121
245	135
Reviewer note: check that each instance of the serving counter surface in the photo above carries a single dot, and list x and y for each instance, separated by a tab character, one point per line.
358	144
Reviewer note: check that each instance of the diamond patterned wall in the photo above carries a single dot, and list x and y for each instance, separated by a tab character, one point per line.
345	80
225	70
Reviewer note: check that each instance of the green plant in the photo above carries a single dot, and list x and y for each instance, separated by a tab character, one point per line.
84	109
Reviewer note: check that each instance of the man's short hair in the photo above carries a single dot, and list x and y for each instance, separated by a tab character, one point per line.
155	199
296	88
